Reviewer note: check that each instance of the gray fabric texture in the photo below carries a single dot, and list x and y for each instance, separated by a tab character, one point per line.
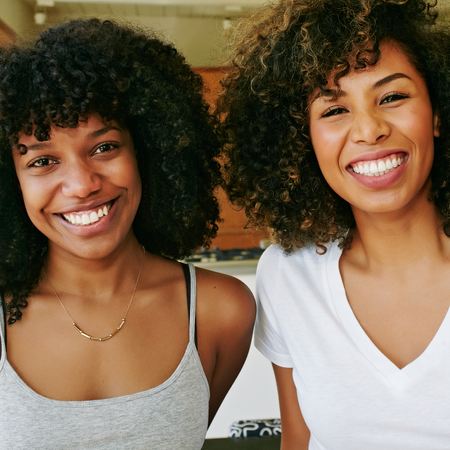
171	416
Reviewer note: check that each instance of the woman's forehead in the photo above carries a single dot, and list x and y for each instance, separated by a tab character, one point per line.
392	62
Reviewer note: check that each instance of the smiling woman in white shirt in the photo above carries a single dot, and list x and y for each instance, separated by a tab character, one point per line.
337	133
107	177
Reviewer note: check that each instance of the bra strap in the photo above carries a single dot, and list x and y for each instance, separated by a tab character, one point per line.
189	293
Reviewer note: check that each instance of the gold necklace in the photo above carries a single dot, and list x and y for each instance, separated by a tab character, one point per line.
92	338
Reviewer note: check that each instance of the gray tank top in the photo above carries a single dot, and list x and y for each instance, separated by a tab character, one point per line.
171	416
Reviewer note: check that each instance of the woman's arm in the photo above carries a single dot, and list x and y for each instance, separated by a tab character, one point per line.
295	434
225	316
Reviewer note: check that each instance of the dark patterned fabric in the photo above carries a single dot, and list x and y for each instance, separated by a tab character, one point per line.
253	428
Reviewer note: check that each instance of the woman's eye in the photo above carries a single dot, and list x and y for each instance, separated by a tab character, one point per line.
42	162
104	148
335	111
393	98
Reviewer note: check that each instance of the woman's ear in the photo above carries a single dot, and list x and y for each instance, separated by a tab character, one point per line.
437	125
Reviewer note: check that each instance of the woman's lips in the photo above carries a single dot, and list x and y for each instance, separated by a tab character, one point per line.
87	217
379	179
378	167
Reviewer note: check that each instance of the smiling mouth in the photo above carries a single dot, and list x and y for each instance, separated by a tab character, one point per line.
87	218
378	167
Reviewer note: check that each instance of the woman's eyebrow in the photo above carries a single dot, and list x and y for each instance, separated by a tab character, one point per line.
332	94
103	131
335	93
94	134
38	146
388	79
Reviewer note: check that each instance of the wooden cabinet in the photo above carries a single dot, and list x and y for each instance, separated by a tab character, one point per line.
232	232
7	35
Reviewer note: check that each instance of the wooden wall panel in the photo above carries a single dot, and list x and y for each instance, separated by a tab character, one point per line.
232	232
7	35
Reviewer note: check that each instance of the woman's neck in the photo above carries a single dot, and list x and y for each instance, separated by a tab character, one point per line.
100	278
398	239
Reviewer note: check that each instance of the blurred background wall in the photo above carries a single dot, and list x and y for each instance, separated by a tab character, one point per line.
194	26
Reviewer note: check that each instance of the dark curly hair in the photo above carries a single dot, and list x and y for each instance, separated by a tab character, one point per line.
280	56
124	74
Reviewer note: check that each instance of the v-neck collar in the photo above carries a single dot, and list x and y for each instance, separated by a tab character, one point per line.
399	377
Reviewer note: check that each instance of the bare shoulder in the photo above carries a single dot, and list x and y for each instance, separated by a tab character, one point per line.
225	317
224	298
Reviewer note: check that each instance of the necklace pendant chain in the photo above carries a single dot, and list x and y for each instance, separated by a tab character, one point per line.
109	336
92	338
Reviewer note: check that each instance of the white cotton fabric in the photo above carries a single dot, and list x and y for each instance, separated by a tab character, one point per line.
173	415
352	397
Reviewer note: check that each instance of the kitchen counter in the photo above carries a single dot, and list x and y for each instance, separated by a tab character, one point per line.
234	268
234	262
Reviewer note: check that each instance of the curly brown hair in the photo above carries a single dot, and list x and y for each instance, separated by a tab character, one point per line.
133	77
280	56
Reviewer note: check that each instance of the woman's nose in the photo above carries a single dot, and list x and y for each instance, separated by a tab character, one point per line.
369	128
80	181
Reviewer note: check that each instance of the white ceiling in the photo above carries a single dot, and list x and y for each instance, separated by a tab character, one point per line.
142	8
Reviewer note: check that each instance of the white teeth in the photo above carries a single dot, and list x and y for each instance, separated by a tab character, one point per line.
373	168
377	168
87	219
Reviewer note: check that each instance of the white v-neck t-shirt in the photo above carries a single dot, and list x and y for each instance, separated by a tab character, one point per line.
352	397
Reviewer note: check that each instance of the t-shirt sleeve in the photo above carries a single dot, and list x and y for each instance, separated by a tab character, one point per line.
268	337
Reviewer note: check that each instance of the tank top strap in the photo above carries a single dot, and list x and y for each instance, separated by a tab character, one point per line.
3	333
2	316
191	294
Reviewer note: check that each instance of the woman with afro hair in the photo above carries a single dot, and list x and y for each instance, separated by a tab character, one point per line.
107	172
337	136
